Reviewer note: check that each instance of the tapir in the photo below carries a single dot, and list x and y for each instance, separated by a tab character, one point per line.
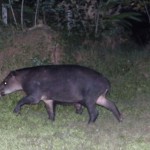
75	84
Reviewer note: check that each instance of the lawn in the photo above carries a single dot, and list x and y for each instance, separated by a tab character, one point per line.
33	131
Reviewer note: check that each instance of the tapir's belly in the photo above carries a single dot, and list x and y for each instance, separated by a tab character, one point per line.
57	91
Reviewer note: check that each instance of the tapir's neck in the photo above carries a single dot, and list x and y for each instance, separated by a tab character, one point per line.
21	77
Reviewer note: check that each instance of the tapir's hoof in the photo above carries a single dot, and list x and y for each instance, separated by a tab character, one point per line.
121	118
16	110
52	118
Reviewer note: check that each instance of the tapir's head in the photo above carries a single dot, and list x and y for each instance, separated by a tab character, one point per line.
10	84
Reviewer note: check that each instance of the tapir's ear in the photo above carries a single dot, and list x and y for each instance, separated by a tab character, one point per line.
13	73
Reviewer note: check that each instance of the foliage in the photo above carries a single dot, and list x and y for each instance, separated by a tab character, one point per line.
36	61
87	16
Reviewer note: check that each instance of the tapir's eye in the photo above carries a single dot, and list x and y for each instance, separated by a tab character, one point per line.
5	83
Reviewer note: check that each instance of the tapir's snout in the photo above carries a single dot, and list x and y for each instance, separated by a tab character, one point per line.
2	93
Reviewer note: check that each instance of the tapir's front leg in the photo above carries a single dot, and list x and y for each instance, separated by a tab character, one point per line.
25	100
50	109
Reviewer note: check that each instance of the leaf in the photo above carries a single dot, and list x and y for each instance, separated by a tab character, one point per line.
127	15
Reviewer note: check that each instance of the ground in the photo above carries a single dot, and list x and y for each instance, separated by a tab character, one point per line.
129	74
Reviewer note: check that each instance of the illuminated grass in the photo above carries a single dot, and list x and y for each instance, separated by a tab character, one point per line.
33	131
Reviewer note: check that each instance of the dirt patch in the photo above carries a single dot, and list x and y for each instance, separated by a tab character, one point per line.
41	42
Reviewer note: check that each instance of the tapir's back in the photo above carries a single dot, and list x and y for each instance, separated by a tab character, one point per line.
75	73
69	82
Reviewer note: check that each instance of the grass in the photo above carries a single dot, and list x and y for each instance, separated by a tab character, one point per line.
32	129
129	73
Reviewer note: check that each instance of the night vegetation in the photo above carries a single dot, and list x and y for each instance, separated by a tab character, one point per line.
98	18
110	36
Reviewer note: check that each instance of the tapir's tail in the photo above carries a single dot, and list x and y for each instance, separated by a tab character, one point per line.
110	106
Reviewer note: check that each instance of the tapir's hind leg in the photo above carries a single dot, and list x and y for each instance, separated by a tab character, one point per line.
93	113
110	106
79	108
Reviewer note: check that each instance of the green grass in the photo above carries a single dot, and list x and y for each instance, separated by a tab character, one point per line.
129	73
32	130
